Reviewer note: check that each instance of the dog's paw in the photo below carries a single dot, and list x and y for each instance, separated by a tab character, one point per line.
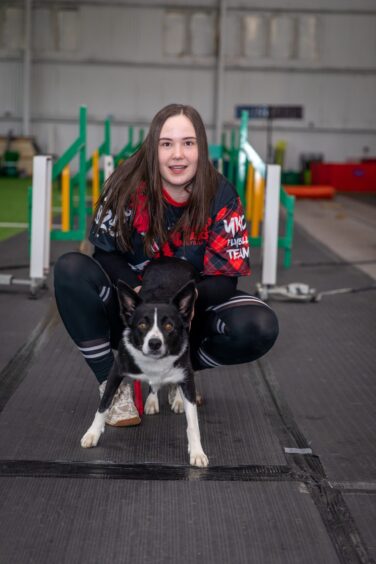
175	400
177	405
199	459
90	439
151	406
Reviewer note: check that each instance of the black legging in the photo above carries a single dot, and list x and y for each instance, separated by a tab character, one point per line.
240	330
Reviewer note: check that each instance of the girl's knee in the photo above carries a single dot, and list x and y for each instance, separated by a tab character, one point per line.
69	262
265	324
255	331
69	268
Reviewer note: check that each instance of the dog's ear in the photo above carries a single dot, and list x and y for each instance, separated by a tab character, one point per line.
185	299
128	300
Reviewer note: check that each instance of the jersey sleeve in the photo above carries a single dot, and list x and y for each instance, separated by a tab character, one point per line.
102	232
227	250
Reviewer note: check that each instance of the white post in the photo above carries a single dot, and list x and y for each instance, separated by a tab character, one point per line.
270	225
108	166
48	217
40	219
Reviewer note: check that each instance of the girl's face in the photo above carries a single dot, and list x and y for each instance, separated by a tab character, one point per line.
177	155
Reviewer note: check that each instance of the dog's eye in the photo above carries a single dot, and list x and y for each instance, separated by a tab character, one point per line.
168	326
142	326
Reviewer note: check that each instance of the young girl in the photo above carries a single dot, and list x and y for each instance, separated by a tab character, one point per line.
166	200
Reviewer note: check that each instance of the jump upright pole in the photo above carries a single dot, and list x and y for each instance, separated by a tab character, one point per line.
40	222
270	226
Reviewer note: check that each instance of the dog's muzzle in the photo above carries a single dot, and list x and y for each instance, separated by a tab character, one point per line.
155	347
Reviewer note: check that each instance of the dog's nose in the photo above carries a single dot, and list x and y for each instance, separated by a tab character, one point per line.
155	344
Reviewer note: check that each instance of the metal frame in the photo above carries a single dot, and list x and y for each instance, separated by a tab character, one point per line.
248	155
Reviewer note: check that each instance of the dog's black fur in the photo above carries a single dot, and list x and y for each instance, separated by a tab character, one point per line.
155	344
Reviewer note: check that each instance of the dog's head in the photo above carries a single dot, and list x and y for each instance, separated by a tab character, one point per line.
157	329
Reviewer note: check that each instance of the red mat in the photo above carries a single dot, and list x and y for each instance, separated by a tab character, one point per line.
310	191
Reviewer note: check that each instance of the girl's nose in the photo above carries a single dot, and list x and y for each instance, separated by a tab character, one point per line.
178	151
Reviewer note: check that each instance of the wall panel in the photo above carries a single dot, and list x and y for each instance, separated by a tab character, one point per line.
129	59
131	94
349	41
11	88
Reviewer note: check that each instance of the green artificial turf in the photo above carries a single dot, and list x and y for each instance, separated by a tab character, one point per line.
14	206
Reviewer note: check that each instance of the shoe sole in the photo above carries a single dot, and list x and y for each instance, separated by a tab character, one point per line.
126	422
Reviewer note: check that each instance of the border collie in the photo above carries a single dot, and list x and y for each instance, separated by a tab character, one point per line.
155	346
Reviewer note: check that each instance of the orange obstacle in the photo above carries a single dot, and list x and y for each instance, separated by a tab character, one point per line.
324	192
65	199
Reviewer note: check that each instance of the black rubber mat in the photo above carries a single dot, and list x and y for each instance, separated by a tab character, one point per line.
323	363
313	395
328	380
97	521
320	375
363	508
21	315
54	406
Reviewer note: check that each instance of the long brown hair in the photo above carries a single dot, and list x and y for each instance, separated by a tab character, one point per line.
142	168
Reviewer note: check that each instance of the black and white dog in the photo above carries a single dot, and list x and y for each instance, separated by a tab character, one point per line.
155	345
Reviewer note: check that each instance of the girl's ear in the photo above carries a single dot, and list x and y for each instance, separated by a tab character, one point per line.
128	300
184	300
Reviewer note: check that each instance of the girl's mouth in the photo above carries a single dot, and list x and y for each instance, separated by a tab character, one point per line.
177	169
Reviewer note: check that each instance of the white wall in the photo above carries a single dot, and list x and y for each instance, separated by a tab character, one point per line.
129	59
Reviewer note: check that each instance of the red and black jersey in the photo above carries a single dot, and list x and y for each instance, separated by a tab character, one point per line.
220	249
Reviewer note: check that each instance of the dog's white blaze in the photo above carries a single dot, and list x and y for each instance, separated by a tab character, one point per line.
154	333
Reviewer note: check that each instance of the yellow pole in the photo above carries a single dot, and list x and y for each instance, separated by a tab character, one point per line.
249	192
258	205
95	185
65	203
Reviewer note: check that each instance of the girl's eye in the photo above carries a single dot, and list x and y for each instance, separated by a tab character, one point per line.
168	326
166	144
142	326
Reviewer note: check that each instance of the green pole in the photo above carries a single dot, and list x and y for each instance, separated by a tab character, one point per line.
289	202
242	158
82	173
107	136
233	157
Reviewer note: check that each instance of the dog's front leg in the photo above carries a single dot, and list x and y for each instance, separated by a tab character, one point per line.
197	457
92	435
152	402
175	399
